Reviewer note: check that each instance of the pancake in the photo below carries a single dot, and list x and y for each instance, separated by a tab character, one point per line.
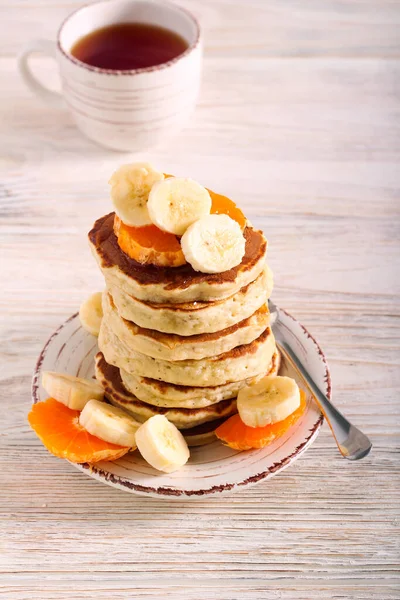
202	434
183	418
164	394
176	347
172	284
241	362
195	317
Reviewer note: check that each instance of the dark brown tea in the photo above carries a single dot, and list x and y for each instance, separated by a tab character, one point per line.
127	46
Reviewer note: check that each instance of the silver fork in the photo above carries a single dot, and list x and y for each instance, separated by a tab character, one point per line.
352	443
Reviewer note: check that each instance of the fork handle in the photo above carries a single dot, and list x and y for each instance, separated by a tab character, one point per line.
352	443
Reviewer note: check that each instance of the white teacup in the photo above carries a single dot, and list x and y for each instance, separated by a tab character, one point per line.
123	110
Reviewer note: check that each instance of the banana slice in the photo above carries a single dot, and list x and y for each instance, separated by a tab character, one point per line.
109	423
130	188
72	391
162	444
270	400
91	313
213	244
176	203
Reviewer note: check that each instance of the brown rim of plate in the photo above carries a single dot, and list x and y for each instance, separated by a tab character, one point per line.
117	72
165	491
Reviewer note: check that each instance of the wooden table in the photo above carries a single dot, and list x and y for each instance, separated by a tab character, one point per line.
298	121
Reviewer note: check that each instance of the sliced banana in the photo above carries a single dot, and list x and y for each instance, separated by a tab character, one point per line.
72	391
162	445
176	203
91	313
213	244
130	189
109	423
270	400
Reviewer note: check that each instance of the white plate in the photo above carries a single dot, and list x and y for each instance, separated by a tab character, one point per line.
213	468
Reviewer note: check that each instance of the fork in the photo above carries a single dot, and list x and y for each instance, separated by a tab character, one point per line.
352	443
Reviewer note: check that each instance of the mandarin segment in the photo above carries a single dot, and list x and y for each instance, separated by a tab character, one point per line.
235	434
221	205
149	245
57	426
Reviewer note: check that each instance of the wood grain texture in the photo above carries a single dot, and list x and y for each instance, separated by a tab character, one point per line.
299	121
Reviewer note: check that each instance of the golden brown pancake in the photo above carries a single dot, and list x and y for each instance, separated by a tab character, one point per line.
237	364
202	434
192	318
183	418
172	284
160	393
167	346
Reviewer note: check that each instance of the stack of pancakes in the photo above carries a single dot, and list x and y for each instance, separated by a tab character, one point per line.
181	343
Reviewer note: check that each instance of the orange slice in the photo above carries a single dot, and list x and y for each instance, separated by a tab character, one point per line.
58	428
221	205
235	434
149	245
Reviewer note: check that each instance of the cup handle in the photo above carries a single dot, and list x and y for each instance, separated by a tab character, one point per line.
43	47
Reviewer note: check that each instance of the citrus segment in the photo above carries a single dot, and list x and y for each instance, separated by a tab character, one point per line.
235	434
149	245
221	205
57	426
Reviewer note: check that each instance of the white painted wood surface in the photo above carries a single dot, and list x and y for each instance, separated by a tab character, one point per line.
299	122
